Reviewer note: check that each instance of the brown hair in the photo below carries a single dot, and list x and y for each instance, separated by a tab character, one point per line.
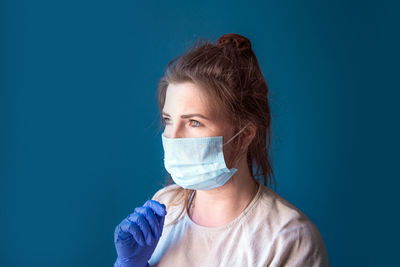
230	76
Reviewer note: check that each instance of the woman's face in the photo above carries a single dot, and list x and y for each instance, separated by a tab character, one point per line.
186	115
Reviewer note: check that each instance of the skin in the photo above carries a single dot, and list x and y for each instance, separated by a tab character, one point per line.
221	205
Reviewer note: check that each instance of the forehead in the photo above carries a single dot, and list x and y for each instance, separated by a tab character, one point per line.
186	97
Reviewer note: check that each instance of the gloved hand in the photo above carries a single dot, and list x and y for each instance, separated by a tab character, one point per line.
137	236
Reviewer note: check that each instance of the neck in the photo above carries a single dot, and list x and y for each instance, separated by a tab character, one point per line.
221	205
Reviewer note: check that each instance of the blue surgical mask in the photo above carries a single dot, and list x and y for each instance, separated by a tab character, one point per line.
197	163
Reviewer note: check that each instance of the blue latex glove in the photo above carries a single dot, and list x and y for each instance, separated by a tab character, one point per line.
137	236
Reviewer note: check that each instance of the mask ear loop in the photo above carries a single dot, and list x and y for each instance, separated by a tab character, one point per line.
234	137
236	134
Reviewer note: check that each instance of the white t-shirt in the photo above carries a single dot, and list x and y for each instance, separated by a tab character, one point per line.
269	232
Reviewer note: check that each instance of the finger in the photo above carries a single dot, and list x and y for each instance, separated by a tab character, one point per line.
120	235
162	218
141	221
132	228
161	223
156	206
148	213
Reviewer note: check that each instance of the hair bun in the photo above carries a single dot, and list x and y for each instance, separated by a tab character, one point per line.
239	42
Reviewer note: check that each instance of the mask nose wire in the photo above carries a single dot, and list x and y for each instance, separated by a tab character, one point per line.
236	134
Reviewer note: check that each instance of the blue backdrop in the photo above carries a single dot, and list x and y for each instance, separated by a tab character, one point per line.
80	146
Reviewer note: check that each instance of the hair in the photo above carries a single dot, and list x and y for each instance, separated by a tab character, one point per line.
229	75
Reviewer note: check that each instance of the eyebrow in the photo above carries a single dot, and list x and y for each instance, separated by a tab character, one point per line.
189	116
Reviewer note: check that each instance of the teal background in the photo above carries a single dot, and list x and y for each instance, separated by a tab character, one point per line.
79	141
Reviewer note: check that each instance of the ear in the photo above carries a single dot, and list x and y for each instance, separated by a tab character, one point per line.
249	135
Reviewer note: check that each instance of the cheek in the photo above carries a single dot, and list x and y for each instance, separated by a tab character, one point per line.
228	154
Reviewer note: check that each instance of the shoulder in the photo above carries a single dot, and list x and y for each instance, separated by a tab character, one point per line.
299	246
279	213
167	193
172	196
295	240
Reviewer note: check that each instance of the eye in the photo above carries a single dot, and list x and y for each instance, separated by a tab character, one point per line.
165	120
194	123
198	124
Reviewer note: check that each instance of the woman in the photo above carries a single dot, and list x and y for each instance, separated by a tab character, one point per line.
214	103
